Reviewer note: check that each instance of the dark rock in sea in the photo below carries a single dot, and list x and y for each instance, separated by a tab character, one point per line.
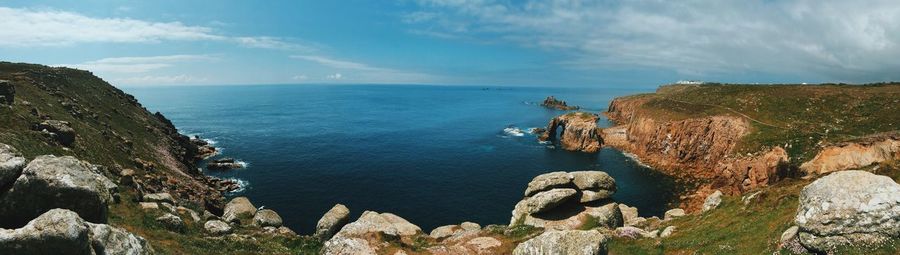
552	102
57	130
7	92
224	164
204	149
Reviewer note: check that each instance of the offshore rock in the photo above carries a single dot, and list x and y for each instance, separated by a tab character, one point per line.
848	207
553	103
579	132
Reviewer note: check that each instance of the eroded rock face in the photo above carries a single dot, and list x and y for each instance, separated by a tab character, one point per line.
542	201
579	132
11	165
60	231
571	242
238	208
848	207
332	221
561	200
854	155
57	182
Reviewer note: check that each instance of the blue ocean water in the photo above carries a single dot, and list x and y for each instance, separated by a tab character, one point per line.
434	155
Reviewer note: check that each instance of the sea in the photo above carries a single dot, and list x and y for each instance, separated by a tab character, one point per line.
434	155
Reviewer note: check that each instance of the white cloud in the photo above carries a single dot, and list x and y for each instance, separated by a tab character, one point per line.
267	42
336	76
136	64
300	77
844	40
160	80
340	64
366	73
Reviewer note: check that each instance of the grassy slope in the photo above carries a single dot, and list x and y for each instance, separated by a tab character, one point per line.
130	121
797	115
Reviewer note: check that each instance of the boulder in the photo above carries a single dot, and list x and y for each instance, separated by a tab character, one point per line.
149	206
633	233
540	202
207	215
332	221
470	226
444	231
848	208
238	208
674	213
217	227
191	213
668	231
345	246
57	182
789	234
629	214
570	242
385	223
712	201
483	245
267	218
106	239
577	217
548	181
60	231
591	196
58	130
171	222
594	180
11	165
159	197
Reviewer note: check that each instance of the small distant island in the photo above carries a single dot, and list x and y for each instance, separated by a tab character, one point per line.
553	103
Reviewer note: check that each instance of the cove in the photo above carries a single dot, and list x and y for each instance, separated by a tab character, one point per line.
435	155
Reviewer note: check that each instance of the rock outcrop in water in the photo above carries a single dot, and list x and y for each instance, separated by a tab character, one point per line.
578	132
855	154
848	208
553	103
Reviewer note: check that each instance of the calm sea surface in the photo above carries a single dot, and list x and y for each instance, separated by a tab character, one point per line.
435	155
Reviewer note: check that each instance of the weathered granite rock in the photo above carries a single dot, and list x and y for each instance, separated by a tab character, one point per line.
171	222
575	216
444	231
540	202
57	182
848	207
483	245
361	236
346	246
149	206
106	239
60	231
548	181
712	201
58	130
633	232
7	93
217	227
593	180
668	231
159	197
629	214
332	221
238	208
674	213
789	234
11	165
267	218
580	132
188	212
570	242
470	226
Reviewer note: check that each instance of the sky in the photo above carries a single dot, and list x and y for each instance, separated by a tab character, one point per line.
562	43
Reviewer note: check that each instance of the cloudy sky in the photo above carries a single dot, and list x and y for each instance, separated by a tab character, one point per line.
470	42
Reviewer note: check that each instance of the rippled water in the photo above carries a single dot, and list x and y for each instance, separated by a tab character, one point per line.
434	155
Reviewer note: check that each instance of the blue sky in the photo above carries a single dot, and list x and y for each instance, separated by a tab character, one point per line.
469	42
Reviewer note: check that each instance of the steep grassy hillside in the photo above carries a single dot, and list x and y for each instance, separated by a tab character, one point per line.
797	117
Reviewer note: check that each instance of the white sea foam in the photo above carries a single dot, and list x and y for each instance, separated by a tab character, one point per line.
513	131
210	141
243	164
242	185
635	159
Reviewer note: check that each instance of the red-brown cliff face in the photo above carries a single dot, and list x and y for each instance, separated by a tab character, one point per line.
701	149
579	132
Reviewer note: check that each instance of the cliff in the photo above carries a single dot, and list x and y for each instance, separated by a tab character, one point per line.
736	138
577	132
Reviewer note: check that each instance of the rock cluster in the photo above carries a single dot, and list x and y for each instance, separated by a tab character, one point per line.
848	207
205	150
579	132
224	164
58	130
567	200
553	103
60	231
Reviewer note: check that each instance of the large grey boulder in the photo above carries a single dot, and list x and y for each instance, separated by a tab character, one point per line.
171	222
60	231
544	201
267	218
548	181
605	216
846	208
217	227
57	182
346	246
11	165
712	201
361	236
332	221
570	242
238	208
593	180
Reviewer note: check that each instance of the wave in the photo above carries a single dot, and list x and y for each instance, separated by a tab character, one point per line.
513	131
242	185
